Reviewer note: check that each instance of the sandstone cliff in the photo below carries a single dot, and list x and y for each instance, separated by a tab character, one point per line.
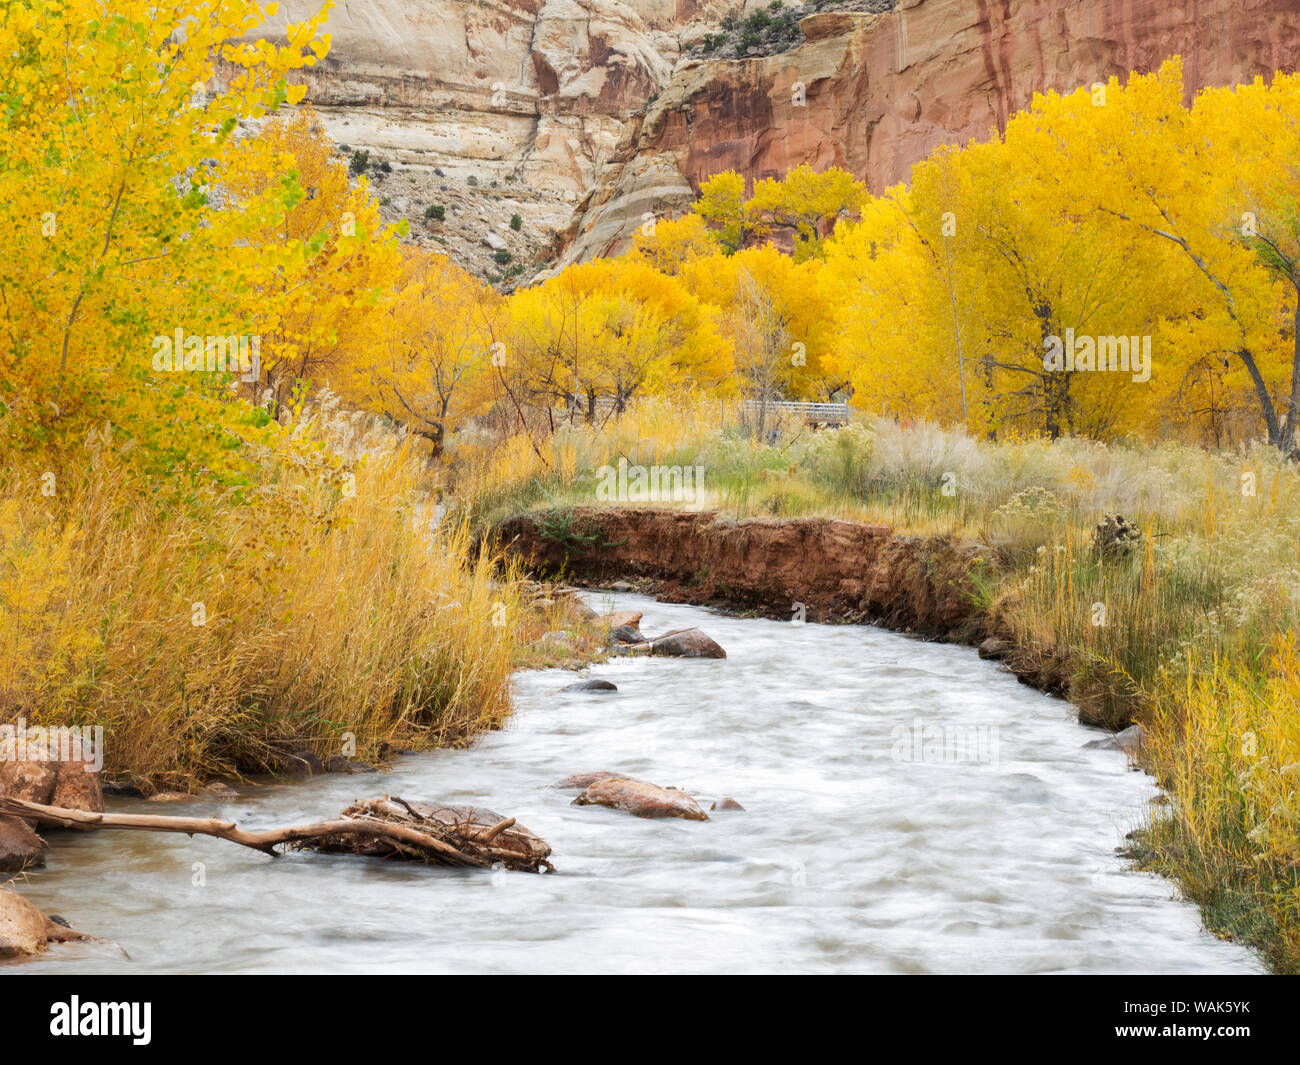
589	114
881	91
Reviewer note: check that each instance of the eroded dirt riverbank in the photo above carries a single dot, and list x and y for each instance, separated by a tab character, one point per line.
818	568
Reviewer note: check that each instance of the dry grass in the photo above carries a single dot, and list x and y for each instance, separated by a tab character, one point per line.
210	634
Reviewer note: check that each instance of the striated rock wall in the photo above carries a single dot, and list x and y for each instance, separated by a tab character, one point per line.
533	90
598	111
881	91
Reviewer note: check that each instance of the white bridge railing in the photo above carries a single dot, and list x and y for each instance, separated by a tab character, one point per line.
820	413
816	413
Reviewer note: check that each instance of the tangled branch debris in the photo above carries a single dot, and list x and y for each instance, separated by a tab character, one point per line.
380	828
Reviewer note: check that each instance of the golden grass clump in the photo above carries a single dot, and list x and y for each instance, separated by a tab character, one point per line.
213	629
1228	746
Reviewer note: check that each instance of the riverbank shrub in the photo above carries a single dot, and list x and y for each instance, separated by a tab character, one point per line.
187	558
315	607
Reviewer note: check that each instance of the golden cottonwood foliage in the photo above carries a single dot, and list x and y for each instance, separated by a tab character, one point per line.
1017	285
115	138
798	209
612	328
338	260
1117	264
431	365
213	587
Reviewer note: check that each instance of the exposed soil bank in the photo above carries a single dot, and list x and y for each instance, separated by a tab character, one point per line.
838	570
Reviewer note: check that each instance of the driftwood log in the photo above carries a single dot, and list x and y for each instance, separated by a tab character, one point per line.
382	828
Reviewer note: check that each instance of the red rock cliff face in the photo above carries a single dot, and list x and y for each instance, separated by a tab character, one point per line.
882	91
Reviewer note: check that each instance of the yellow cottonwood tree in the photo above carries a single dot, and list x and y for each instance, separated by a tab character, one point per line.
334	255
776	315
614	327
431	366
1215	185
111	232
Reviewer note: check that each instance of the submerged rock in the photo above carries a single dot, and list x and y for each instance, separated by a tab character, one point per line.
688	643
337	763
726	804
25	931
641	798
1130	740
592	685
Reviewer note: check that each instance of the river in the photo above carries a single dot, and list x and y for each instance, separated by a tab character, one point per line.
908	809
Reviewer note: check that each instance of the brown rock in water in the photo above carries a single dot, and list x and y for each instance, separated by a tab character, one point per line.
689	643
25	931
337	763
726	804
994	648
591	684
40	776
626	634
621	618
20	847
581	780
303	762
640	798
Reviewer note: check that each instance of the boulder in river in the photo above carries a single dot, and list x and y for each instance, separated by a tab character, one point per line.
1130	740
337	763
60	774
641	798
994	648
303	761
625	634
591	684
20	847
620	618
581	780
25	931
686	643
726	804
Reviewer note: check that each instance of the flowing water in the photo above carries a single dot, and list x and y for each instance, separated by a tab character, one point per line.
908	808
